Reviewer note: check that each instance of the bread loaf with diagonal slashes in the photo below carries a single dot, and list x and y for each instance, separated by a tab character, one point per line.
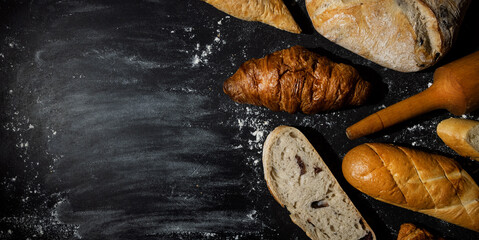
298	178
428	183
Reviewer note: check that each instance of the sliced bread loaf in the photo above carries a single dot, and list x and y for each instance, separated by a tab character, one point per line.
298	178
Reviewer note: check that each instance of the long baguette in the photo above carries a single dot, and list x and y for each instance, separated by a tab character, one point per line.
428	183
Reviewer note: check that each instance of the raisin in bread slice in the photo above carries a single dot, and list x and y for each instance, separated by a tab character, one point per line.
298	178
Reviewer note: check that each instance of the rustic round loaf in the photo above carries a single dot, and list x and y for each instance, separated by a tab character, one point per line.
404	35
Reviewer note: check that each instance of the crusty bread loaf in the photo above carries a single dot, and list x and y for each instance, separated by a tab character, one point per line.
271	12
405	35
428	183
461	135
298	178
409	231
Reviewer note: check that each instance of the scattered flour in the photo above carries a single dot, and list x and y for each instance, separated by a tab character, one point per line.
381	107
208	235
416	127
259	127
42	222
251	214
258	141
201	53
195	61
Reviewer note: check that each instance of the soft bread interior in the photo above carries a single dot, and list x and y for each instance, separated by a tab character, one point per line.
301	181
473	137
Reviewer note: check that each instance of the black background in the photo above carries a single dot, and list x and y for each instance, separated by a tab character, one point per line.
114	125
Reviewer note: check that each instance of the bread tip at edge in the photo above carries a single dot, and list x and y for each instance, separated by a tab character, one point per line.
461	135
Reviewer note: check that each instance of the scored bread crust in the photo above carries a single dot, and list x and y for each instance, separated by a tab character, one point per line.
271	12
459	135
427	183
298	178
404	35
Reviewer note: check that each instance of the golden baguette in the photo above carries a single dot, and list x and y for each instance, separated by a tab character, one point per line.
428	183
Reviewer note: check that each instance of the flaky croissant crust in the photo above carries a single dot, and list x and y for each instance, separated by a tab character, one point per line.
296	79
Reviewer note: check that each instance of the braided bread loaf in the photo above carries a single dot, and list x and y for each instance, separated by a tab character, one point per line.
419	181
296	79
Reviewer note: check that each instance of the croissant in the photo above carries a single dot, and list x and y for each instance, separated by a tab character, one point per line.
271	12
296	79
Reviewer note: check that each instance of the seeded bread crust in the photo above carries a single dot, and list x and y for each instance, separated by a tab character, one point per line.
298	178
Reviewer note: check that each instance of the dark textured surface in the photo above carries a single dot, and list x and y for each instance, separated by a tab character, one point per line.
114	125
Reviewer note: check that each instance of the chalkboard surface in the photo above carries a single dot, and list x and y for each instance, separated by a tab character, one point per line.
114	125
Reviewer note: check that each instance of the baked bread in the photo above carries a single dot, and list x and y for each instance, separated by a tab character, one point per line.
404	35
271	12
296	79
298	178
409	231
416	180
461	135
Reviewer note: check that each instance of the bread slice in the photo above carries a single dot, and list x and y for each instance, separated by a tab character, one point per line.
298	178
461	135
